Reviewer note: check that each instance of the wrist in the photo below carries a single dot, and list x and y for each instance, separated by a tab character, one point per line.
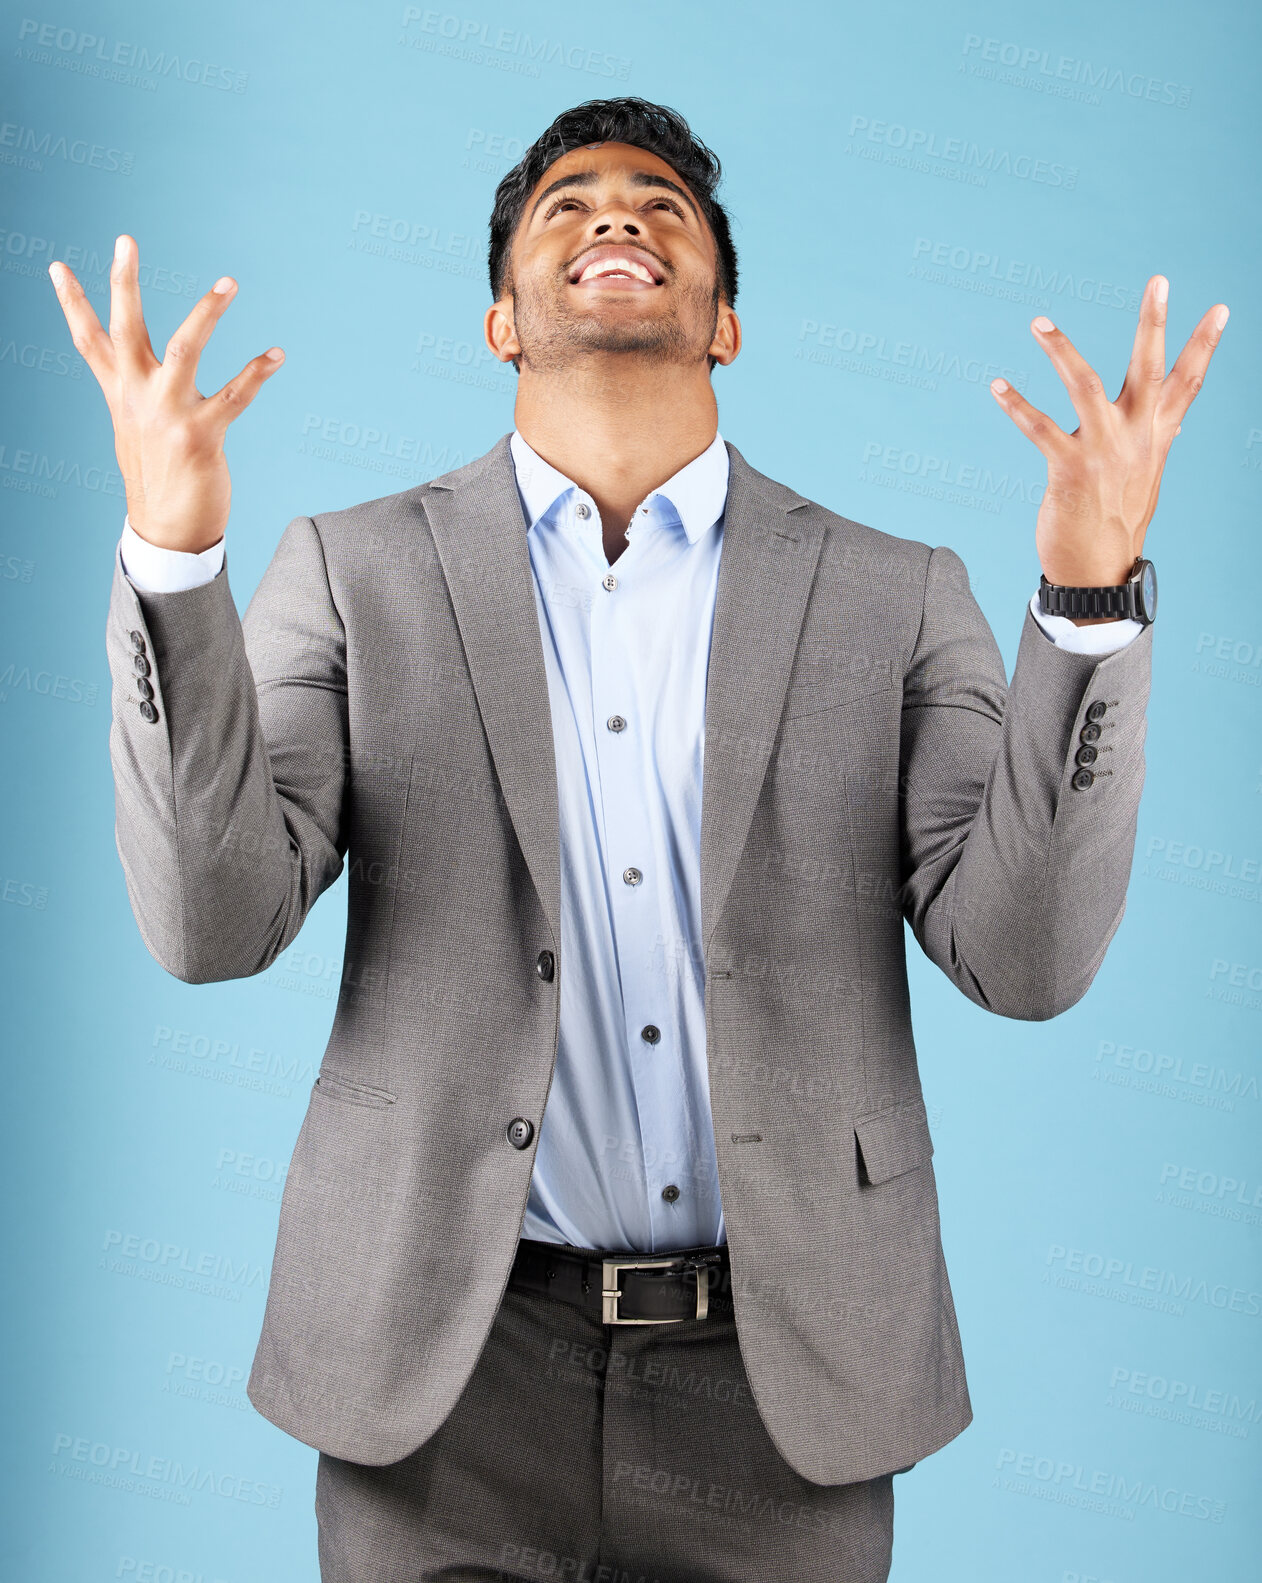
195	546
1089	604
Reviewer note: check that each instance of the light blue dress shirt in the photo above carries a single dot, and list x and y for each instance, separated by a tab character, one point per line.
626	650
625	1158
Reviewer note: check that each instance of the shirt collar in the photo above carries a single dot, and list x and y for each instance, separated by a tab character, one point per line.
697	492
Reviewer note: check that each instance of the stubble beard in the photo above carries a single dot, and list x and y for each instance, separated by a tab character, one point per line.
554	338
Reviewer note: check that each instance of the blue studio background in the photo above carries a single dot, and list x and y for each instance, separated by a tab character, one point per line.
911	183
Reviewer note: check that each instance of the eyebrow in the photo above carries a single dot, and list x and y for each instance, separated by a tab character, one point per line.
639	178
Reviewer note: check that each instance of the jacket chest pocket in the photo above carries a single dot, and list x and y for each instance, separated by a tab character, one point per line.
829	684
352	1092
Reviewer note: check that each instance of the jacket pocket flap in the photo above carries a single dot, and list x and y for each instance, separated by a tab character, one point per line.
894	1140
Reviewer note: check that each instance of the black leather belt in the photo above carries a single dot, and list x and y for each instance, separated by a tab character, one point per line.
627	1288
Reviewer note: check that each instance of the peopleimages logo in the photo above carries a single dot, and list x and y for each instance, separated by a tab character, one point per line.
90	55
28	148
1102	1274
466	38
980	162
125	1467
1073	1483
1052	73
988	272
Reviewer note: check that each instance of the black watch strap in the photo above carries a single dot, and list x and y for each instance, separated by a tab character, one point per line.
1124	599
1057	600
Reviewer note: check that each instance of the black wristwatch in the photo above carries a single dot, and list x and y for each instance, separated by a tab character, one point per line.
1136	597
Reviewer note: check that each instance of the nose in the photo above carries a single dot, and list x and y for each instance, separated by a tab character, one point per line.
629	226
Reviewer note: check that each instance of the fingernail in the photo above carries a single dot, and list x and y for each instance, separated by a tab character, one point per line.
1161	290
999	386
275	354
1043	324
224	285
120	250
1221	317
54	269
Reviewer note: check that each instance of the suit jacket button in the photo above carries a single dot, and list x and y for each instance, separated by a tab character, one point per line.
1089	733
140	665
137	641
149	712
545	964
1096	710
520	1132
144	687
1081	780
1086	754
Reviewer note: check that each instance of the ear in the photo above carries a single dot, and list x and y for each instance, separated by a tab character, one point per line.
500	331
727	335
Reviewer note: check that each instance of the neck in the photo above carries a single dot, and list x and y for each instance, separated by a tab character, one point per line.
618	427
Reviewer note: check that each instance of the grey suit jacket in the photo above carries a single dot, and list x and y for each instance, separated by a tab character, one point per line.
384	705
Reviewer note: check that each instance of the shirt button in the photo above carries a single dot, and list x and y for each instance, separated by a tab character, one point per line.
545	964
616	723
520	1132
671	1193
650	1034
1096	710
631	876
609	582
582	510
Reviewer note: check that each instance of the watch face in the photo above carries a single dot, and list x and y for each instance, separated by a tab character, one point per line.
1148	590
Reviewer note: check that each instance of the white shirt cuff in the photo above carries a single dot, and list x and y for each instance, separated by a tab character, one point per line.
154	570
1104	638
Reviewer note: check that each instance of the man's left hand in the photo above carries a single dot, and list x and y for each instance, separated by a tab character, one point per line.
1103	479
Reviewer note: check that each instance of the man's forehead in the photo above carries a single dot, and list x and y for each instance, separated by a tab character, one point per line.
611	156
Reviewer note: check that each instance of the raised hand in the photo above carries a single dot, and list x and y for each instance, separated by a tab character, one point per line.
168	437
1103	479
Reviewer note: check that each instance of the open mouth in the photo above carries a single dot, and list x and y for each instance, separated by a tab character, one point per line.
611	266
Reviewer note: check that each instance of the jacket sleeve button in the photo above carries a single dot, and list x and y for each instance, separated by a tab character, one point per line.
520	1132
1096	710
137	640
148	711
1082	779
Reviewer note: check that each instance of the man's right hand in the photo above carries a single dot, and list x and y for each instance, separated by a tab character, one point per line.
168	437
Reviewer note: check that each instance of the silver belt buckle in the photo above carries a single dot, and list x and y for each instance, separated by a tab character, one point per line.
611	1292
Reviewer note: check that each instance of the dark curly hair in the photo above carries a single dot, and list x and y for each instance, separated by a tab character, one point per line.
654	127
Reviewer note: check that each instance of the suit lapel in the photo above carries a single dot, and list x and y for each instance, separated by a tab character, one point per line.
479	531
765	572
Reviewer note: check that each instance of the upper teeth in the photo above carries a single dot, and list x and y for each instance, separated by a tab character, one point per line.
621	266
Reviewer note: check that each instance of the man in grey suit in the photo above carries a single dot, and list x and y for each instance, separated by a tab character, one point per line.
610	1244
